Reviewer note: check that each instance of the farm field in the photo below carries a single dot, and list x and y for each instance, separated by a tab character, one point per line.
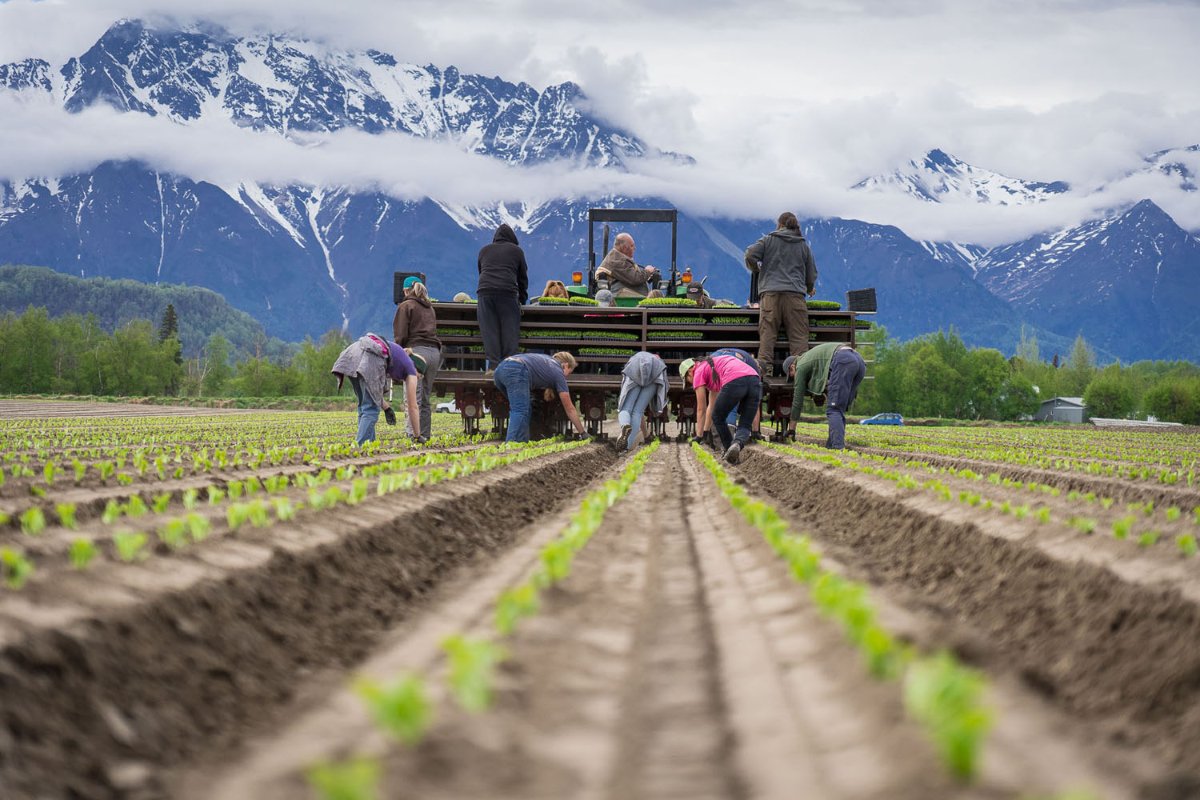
249	606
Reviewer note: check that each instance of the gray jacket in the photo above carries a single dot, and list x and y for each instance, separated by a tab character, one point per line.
783	261
644	369
367	361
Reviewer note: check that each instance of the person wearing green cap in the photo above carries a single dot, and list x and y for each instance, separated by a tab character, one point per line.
830	373
415	327
735	385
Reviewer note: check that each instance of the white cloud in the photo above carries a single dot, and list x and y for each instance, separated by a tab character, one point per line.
781	105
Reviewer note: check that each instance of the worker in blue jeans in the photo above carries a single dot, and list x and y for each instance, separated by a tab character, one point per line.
643	379
517	376
830	373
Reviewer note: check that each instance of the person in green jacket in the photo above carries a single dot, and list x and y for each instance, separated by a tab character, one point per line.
830	374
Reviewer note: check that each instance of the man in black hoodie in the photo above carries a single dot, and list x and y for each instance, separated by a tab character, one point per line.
503	289
786	273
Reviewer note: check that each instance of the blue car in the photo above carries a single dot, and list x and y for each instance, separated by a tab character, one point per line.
889	418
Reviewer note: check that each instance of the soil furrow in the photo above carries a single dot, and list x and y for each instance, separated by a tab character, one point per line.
1120	656
141	666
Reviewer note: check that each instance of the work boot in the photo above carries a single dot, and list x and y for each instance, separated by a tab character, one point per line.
625	430
733	453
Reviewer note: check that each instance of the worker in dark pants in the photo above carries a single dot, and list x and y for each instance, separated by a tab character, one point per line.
503	289
830	373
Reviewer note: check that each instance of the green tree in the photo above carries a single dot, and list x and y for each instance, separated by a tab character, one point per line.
1079	371
1110	394
1175	400
930	386
216	371
987	372
169	327
256	377
312	362
1017	398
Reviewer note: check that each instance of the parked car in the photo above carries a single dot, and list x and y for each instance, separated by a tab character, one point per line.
450	407
887	418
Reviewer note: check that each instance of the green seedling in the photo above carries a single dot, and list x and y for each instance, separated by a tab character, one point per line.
33	521
124	480
1123	527
106	469
215	495
1186	543
37	491
112	512
472	664
947	699
136	507
129	545
514	605
284	510
1148	539
1106	503
174	534
253	485
81	552
349	780
402	709
235	489
189	498
358	491
66	515
161	501
1083	524
1042	515
198	526
1172	514
48	471
15	566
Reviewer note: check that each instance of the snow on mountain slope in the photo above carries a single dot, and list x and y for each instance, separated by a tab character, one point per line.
942	178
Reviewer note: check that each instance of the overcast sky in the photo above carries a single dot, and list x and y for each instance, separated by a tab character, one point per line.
782	104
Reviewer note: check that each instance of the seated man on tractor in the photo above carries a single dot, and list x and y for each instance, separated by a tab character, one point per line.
626	278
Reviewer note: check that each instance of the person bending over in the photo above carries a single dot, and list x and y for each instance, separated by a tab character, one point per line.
735	385
517	376
371	364
830	373
643	381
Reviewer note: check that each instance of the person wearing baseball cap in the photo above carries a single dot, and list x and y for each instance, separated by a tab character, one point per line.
830	374
735	385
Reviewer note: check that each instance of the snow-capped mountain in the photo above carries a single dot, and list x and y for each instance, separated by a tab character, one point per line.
941	178
1180	163
288	85
1130	277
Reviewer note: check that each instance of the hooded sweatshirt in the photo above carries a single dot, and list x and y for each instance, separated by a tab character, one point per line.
502	267
783	261
415	324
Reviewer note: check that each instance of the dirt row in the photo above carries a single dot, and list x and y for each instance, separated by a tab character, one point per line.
679	659
1114	649
50	409
125	669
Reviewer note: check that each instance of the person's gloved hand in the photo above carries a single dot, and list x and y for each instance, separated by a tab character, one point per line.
389	415
579	437
698	439
709	439
791	435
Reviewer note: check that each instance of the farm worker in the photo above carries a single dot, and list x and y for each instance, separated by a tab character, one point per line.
783	263
518	375
731	419
415	327
371	364
503	289
829	373
643	379
555	289
736	384
626	277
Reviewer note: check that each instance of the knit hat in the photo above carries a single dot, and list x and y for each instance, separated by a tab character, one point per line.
684	366
462	297
410	280
787	365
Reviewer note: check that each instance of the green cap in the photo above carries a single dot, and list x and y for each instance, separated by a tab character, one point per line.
684	366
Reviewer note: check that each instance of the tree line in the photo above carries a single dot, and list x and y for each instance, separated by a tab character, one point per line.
931	376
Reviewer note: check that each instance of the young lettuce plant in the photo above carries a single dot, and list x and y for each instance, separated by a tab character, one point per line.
1186	543
33	521
15	567
349	780
472	665
401	709
947	699
66	515
129	545
81	552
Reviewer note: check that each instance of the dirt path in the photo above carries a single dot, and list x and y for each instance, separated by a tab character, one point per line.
679	659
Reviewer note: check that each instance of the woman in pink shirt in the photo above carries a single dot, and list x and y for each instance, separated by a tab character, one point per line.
736	384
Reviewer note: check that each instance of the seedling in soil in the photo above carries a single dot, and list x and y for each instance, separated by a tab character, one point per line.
514	605
81	552
1172	514
235	489
33	521
136	507
1106	503
129	544
1148	539
1042	515
174	534
947	699
1186	543
402	710
48	471
66	515
16	568
1123	527
189	498
198	526
124	480
1083	524
349	780
112	511
37	491
284	510
472	664
215	495
161	502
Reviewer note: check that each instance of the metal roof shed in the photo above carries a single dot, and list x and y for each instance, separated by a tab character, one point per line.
1062	409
